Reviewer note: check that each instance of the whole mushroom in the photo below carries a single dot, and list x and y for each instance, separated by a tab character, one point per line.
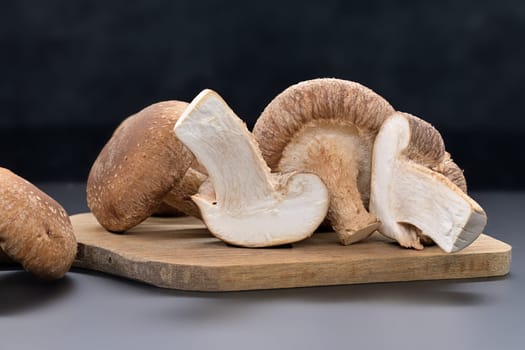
141	167
327	127
35	230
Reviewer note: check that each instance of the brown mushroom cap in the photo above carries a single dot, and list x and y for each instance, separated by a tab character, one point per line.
138	167
327	127
454	173
34	230
427	148
325	101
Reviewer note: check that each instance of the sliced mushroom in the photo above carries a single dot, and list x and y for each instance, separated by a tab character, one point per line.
327	127
34	229
242	203
413	190
142	166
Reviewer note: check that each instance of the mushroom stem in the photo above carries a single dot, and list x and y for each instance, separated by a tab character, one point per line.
250	206
407	196
341	159
214	135
179	197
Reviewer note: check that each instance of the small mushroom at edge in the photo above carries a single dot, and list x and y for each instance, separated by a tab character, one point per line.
142	166
34	229
248	206
327	127
417	189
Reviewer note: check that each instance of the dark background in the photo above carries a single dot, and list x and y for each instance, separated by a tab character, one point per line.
70	71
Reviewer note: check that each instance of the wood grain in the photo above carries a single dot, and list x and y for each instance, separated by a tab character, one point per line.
180	253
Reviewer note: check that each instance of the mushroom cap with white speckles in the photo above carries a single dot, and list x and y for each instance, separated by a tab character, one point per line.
34	229
138	167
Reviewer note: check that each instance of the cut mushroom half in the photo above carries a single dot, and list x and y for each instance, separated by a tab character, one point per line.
410	193
248	205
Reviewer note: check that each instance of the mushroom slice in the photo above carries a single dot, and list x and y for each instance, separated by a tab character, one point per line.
410	194
34	229
327	127
142	166
248	205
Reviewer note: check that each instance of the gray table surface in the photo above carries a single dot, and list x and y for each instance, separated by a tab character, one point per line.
88	310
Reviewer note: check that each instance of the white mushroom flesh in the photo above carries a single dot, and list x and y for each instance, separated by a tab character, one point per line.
404	192
252	207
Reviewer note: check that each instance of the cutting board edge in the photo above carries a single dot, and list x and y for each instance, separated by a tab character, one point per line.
212	278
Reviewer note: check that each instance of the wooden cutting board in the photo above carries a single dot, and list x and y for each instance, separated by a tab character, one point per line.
180	253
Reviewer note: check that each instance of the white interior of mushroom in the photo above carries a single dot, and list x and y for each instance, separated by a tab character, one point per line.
403	192
251	206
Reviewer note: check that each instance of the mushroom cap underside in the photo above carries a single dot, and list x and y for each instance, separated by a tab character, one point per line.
314	103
